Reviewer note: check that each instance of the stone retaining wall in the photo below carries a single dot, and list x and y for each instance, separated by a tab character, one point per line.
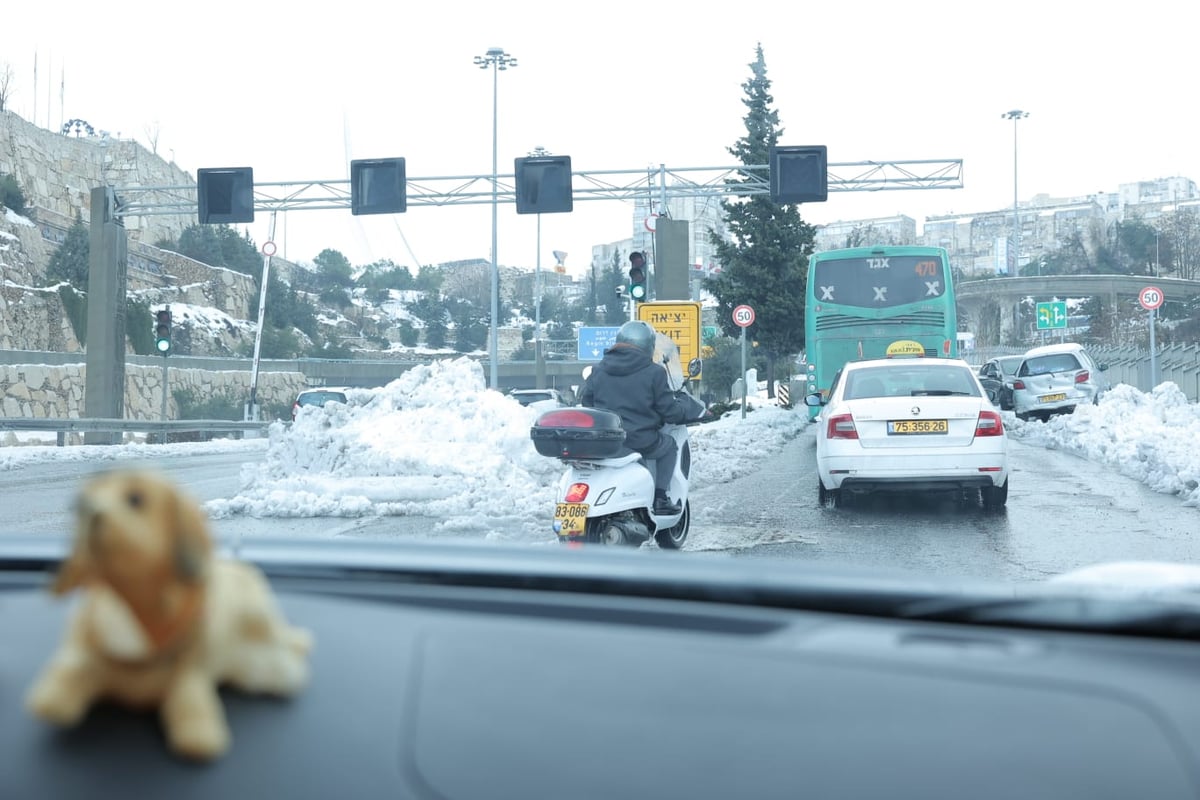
36	391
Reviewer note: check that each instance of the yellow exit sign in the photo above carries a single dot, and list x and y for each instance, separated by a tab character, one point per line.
678	320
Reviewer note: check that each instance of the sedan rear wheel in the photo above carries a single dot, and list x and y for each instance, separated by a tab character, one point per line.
828	498
994	497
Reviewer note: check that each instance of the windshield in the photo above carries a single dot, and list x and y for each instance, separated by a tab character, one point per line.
525	398
320	398
1009	366
440	217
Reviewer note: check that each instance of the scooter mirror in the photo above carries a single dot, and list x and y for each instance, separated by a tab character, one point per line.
587	372
694	367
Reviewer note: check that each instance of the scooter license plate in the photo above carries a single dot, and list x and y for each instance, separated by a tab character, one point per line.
570	519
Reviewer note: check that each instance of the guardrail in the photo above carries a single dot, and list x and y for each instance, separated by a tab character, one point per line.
62	427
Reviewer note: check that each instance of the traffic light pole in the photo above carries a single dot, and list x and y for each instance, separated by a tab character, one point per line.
164	390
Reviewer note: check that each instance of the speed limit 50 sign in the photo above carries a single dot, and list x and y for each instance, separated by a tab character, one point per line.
1151	297
743	316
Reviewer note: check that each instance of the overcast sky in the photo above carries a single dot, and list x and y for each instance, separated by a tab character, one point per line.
297	90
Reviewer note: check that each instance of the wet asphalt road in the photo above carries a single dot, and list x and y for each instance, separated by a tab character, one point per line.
1063	512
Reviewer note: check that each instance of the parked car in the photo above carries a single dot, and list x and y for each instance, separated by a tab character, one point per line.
538	399
996	376
909	425
1055	378
318	397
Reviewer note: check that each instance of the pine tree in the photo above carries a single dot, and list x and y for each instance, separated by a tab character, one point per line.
69	264
766	264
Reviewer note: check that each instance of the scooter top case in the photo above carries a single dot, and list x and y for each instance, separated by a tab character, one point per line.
578	433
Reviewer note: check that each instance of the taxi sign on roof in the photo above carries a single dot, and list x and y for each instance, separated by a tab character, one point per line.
905	347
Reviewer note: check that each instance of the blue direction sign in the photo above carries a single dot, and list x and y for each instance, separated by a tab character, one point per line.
594	341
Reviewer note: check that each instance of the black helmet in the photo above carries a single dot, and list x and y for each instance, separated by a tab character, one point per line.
639	334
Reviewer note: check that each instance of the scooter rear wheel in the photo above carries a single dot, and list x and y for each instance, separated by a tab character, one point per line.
674	537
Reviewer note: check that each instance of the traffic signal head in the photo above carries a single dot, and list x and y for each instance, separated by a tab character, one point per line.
225	195
378	186
637	276
544	185
162	331
799	174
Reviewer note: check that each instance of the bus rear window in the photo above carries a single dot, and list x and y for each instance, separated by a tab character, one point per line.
879	282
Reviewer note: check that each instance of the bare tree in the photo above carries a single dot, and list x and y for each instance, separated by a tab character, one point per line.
470	282
7	77
152	133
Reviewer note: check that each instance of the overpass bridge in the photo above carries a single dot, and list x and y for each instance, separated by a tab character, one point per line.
1008	293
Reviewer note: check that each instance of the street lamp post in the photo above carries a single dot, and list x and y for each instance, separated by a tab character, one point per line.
1014	115
497	59
537	152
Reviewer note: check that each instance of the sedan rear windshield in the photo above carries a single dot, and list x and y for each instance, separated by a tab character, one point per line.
910	381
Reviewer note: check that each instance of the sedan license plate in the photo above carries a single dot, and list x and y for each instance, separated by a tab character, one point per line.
570	519
1052	398
918	426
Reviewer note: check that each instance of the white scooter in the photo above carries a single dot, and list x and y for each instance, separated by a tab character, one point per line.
608	498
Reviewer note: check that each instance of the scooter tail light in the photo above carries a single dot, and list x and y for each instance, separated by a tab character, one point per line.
577	493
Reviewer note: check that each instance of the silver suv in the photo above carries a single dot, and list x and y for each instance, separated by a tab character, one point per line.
1055	378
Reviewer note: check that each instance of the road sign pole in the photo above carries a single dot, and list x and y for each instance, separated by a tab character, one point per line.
1151	298
743	372
1153	352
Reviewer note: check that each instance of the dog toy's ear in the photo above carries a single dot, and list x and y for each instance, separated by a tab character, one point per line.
192	545
75	569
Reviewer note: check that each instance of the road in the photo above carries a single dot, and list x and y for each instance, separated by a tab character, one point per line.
1063	512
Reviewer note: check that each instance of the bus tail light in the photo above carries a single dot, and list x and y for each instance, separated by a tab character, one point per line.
945	347
989	424
841	426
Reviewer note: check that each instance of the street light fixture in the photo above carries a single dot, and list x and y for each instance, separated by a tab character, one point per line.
497	59
1014	115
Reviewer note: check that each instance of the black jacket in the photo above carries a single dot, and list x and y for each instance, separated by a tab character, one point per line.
628	383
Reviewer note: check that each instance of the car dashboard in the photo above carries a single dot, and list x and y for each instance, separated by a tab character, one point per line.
493	672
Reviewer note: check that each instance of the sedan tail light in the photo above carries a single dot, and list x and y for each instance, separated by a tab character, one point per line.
1018	384
989	424
1083	377
841	427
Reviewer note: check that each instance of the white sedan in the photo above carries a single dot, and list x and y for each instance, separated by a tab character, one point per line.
910	425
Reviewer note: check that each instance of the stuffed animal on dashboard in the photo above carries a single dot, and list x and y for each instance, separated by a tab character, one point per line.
162	622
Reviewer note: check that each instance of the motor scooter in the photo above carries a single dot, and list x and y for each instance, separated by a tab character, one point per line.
606	494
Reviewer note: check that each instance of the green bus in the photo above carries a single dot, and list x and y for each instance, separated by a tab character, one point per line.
876	302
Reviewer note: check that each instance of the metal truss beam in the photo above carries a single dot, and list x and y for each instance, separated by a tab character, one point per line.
660	183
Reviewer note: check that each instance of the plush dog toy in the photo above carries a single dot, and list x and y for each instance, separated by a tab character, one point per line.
163	623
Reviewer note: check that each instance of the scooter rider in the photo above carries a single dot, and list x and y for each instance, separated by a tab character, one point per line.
628	383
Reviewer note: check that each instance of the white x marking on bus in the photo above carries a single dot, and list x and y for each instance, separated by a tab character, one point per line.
932	288
880	293
826	292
